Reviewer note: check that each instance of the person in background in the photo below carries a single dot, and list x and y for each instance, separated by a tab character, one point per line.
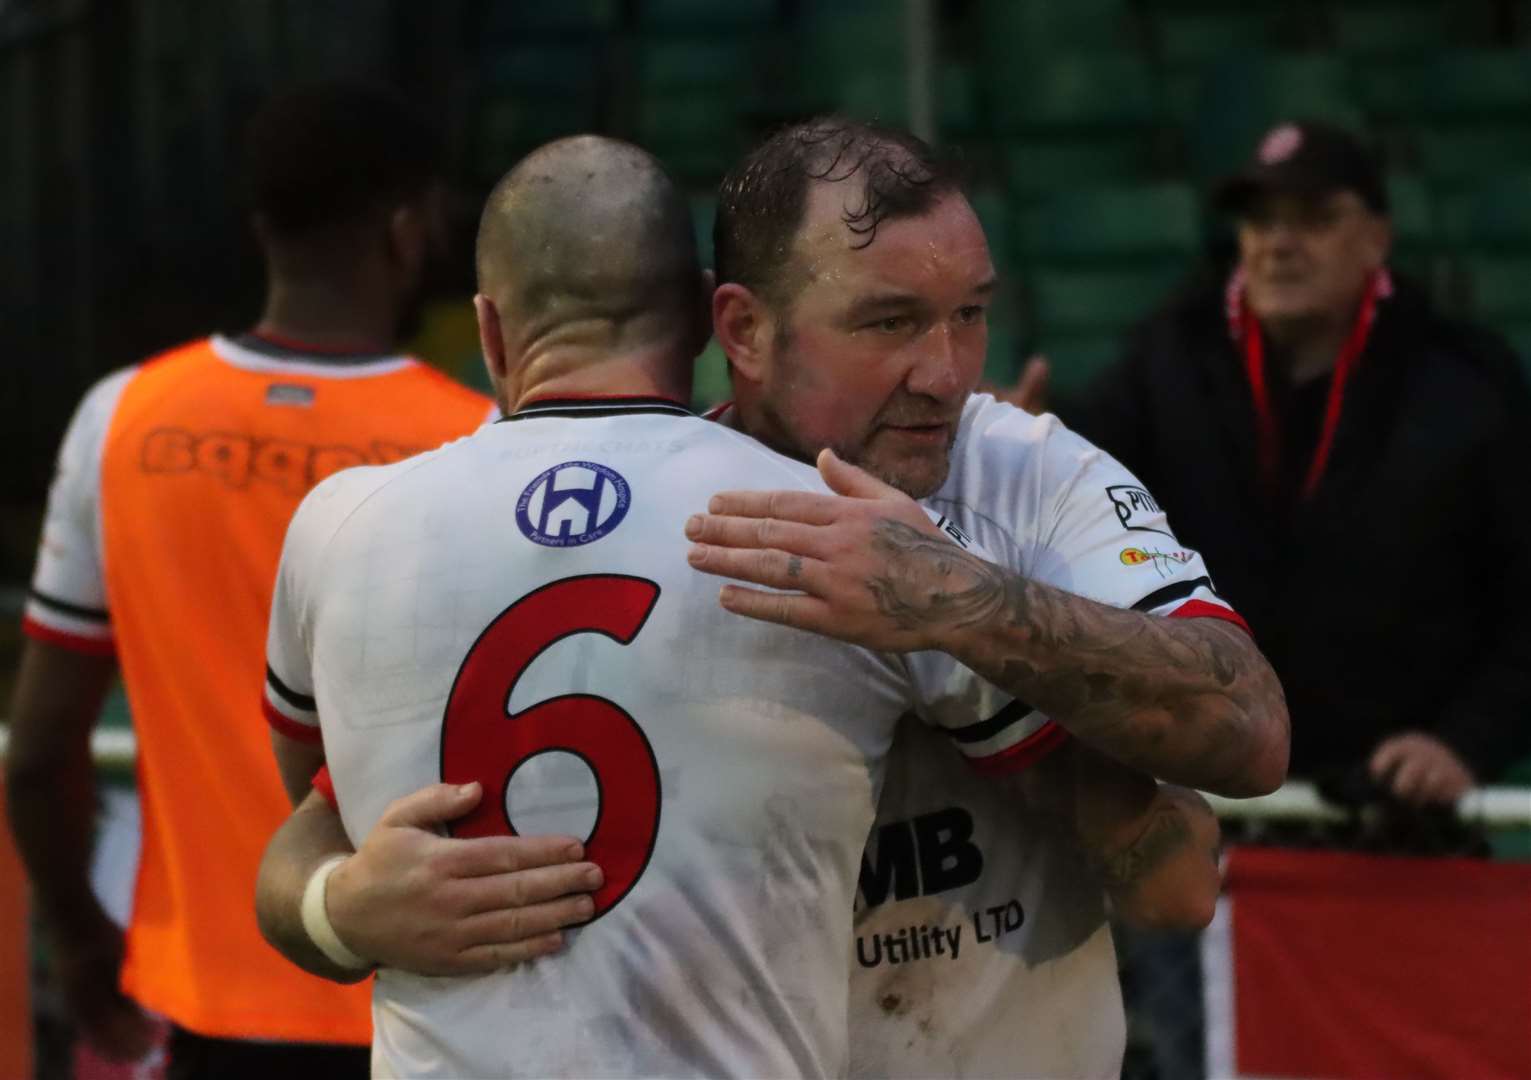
1344	457
175	483
1349	461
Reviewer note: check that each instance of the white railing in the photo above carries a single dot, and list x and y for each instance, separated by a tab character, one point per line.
1297	800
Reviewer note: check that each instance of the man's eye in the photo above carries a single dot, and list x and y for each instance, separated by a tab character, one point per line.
893	324
971	314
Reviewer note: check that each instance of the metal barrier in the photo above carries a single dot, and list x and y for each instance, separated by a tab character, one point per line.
1295	801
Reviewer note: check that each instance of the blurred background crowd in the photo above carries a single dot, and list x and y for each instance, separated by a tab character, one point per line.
1364	513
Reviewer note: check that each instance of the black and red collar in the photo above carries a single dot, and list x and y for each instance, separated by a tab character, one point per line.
598	406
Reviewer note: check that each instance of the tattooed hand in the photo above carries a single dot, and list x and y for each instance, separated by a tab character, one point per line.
1190	701
866	566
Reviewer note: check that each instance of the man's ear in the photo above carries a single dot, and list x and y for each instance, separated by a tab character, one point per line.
744	328
491	340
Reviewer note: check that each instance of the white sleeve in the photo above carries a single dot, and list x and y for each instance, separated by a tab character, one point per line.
67	604
288	702
992	729
1107	539
289	699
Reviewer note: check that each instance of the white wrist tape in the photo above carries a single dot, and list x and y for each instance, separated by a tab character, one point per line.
316	918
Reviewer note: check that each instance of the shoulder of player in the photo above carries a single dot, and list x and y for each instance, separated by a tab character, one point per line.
765	461
1000	442
333	502
93	415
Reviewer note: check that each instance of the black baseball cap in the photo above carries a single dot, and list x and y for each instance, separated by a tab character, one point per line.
1303	158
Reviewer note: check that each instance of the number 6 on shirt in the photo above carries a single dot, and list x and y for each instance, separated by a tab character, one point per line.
482	740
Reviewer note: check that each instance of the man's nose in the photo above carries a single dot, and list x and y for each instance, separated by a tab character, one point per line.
937	372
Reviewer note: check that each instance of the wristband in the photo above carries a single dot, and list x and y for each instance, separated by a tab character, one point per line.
316	919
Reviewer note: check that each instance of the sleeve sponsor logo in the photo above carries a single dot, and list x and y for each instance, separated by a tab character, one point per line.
960	538
572	504
1165	562
1135	509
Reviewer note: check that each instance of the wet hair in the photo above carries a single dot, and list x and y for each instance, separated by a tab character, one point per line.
335	153
589	227
764	198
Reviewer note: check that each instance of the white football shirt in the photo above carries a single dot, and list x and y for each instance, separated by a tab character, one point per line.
516	608
981	944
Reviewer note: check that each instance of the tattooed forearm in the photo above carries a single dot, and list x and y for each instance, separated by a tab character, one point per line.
1188	700
928	579
1164	834
1165	873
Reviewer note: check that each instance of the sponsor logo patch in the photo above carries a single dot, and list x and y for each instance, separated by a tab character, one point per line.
1163	561
571	504
289	394
960	538
1135	508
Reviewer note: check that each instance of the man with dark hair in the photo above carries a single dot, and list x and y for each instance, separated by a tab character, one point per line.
729	779
981	948
175	482
764	250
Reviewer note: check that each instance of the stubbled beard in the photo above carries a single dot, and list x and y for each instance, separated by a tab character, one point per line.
781	436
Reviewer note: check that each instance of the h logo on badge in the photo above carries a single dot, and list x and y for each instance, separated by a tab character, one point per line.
572	504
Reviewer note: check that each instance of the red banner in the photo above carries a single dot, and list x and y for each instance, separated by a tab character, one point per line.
1358	966
15	960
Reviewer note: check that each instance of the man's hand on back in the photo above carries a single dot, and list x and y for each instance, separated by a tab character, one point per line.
865	565
412	899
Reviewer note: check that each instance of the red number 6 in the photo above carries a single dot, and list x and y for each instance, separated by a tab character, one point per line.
482	740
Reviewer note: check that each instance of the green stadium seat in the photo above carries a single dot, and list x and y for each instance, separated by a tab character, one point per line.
855	34
872	95
674	63
1075	362
1495	216
1198	35
1011	29
1463	155
1037	166
552	69
695	135
710	384
1002	364
1159	222
513	22
704	210
1243	97
1471	85
1070	302
994	214
1389	29
1416	228
511	123
959	107
1116	92
1498	289
702	15
691	95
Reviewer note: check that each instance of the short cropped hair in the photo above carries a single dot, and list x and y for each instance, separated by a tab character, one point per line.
764	198
335	153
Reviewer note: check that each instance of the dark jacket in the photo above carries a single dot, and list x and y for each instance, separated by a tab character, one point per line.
1399	596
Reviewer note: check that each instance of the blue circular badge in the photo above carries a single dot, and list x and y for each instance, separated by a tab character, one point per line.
571	504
